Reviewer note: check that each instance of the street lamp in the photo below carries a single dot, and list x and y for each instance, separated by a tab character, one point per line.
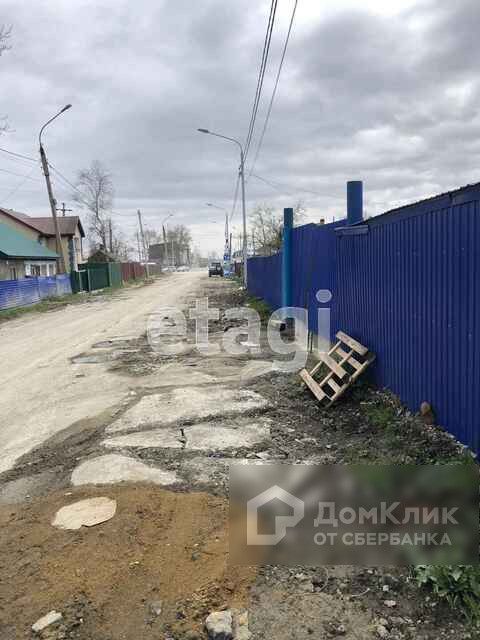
53	202
244	214
227	251
210	204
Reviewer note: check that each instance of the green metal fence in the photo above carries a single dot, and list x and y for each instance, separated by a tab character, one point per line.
92	276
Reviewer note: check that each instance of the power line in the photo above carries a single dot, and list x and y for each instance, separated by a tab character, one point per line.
280	187
261	74
271	184
60	175
269	111
19	175
20	184
18	155
80	194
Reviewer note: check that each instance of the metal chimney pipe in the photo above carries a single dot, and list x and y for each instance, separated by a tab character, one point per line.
354	201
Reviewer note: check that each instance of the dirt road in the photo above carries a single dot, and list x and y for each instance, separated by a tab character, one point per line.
42	392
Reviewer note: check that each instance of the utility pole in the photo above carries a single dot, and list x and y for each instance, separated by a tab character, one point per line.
110	235
63	209
244	215
53	203
145	252
53	208
139	249
244	212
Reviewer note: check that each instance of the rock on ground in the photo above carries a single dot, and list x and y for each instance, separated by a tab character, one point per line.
219	625
46	621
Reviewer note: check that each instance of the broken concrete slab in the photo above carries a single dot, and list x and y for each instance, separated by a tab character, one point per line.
164	438
206	436
85	513
174	374
186	404
114	468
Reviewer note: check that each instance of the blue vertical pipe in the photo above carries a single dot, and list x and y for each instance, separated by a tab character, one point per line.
287	262
354	201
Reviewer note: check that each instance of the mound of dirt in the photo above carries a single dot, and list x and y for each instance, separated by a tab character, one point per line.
158	567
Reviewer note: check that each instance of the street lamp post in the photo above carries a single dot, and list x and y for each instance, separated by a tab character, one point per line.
53	202
227	247
244	213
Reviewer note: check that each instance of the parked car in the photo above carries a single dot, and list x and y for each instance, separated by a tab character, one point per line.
184	267
215	269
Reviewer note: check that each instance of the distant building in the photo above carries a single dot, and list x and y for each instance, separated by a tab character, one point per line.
169	254
42	230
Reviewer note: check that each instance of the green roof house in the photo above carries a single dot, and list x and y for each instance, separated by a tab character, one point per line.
21	257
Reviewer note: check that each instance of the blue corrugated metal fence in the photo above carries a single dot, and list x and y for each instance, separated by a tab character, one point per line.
407	284
265	280
410	290
20	293
313	269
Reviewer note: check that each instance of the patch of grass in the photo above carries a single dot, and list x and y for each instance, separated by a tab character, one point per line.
261	307
458	585
45	305
381	416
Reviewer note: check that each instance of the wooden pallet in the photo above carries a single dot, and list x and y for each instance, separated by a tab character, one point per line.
345	362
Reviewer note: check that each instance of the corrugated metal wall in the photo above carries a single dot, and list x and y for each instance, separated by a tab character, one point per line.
132	271
313	266
410	290
21	293
265	279
115	274
313	256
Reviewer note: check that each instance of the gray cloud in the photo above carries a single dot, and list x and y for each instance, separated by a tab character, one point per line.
390	99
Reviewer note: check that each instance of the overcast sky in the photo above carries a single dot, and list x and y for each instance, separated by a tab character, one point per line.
384	91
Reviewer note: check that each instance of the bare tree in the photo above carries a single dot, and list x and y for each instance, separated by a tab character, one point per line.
152	237
5	33
120	248
95	192
179	239
267	227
